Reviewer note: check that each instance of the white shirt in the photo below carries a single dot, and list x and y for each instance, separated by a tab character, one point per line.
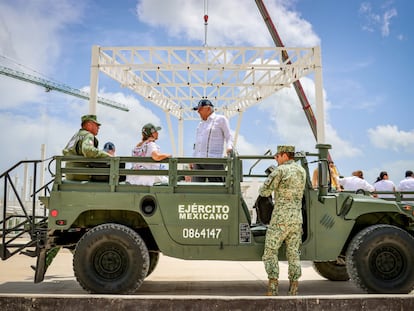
407	184
354	183
384	185
211	135
145	150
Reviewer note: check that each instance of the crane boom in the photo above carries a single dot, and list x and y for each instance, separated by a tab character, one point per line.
50	85
298	86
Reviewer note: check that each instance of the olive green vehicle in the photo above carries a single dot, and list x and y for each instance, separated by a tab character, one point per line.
116	231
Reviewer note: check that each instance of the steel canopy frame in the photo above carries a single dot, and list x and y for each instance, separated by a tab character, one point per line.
234	78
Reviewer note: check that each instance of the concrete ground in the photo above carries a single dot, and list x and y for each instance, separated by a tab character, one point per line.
171	277
186	285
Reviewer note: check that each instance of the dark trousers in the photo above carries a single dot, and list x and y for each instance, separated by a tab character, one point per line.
208	178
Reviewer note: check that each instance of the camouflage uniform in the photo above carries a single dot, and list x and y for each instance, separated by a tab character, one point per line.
288	183
83	143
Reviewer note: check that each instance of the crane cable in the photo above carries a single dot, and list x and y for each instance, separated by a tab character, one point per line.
205	21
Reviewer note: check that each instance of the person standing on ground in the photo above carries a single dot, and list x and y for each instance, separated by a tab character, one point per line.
84	143
407	184
287	182
212	133
384	184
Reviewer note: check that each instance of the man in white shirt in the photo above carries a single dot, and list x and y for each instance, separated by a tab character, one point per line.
407	184
355	182
212	133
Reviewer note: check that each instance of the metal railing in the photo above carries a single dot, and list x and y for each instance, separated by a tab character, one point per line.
22	228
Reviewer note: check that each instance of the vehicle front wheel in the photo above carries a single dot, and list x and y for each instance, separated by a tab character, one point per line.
380	260
111	259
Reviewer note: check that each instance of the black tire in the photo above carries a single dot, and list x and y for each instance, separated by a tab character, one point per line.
380	260
331	270
154	258
111	259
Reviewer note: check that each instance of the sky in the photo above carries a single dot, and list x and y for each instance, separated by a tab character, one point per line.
366	50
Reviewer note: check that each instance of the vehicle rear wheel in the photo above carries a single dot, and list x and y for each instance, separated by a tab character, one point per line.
331	270
111	259
380	259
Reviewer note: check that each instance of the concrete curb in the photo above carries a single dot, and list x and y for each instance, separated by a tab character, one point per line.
17	302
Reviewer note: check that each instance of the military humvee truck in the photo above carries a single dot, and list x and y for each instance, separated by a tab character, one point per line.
116	230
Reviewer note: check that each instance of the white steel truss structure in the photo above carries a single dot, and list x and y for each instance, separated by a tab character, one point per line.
233	78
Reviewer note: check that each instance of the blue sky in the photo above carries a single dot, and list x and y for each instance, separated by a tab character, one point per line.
366	51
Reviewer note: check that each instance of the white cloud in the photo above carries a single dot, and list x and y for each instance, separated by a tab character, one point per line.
388	15
374	20
184	18
31	32
54	125
245	147
124	128
30	39
390	137
289	122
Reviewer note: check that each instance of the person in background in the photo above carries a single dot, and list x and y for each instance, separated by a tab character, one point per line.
355	182
384	184
287	183
407	184
109	147
333	173
148	148
84	143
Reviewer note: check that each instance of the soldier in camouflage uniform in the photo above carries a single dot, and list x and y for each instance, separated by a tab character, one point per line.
287	182
84	143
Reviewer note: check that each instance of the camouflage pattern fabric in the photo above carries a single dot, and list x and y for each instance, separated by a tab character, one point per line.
283	148
90	117
287	182
85	144
275	236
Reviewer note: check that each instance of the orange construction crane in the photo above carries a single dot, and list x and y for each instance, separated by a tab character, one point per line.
297	85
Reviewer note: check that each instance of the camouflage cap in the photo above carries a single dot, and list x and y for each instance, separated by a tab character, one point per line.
90	117
281	149
150	128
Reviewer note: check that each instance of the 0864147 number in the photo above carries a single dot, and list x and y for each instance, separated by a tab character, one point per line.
205	233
